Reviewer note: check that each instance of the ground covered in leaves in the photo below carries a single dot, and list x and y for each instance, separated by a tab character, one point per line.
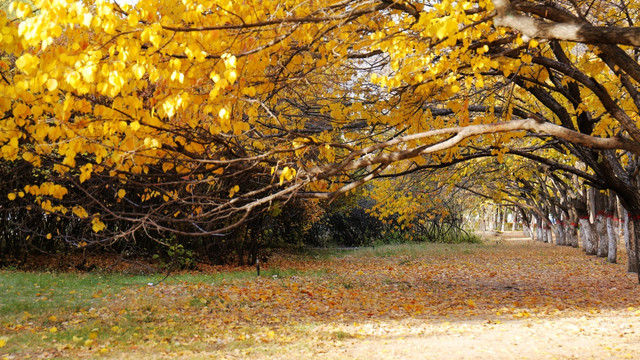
502	299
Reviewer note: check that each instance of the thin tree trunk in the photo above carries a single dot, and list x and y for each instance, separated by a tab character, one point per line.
582	233
598	207
572	230
603	237
561	238
589	236
632	252
612	253
538	225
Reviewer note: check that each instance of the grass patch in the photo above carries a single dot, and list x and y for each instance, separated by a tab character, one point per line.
41	293
45	293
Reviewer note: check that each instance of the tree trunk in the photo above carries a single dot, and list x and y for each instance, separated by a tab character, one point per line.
598	207
572	229
612	251
494	216
603	237
584	232
581	212
559	230
588	236
571	232
634	237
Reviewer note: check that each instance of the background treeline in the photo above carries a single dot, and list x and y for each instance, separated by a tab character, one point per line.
28	232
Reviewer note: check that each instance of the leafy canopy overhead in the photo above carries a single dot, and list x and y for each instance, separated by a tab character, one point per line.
192	114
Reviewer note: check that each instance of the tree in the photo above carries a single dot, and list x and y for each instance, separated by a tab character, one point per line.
193	117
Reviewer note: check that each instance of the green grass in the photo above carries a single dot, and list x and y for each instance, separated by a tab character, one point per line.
39	293
47	293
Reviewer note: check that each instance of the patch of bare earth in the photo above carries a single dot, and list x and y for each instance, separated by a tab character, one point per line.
608	335
589	327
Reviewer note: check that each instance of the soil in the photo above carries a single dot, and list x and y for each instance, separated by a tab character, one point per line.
608	335
600	334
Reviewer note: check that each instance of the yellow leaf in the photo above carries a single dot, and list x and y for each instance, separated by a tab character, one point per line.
132	19
27	63
233	191
53	329
167	166
80	212
138	71
287	174
135	126
36	111
97	225
52	84
122	193
231	75
21	110
3	342
249	91
455	106
223	113
11	196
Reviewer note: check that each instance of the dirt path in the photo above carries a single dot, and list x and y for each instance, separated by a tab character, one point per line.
595	333
608	335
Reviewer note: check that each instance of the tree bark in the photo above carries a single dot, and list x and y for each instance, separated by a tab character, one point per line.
632	255
612	251
603	237
572	234
629	244
559	230
588	236
598	208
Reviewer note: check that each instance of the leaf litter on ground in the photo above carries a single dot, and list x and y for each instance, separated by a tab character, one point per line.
393	299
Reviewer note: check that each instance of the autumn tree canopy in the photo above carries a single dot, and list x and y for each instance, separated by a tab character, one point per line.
192	117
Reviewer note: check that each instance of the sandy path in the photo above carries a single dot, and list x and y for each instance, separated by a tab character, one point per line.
600	334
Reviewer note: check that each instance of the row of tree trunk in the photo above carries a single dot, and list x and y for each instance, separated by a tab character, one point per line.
596	225
593	220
